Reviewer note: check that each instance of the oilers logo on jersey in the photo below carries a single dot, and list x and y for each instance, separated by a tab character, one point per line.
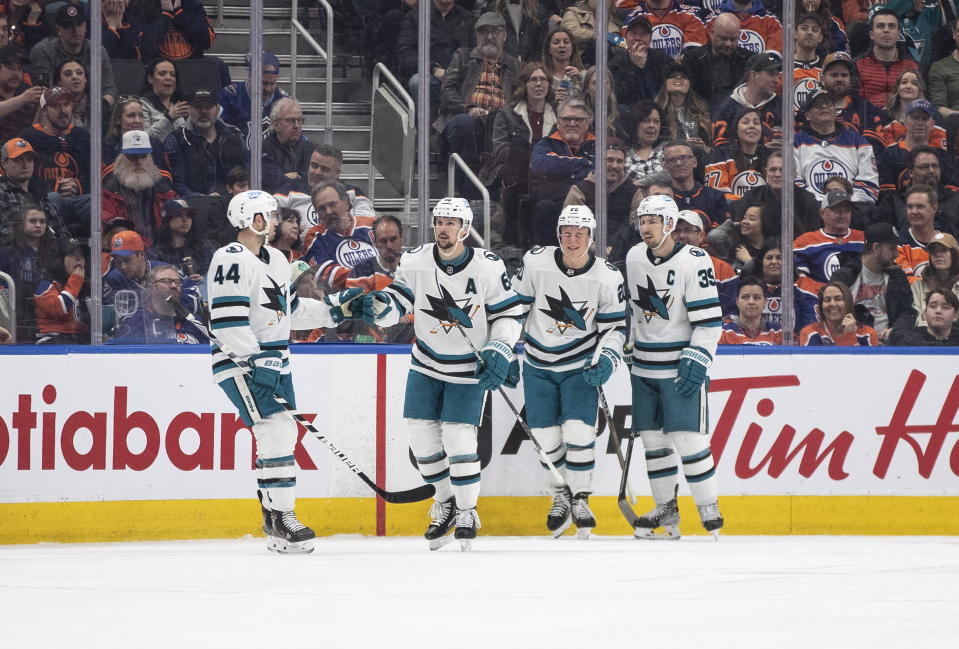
669	38
823	170
565	313
752	41
449	311
653	302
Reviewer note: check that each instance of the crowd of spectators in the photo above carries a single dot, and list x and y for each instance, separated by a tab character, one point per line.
694	111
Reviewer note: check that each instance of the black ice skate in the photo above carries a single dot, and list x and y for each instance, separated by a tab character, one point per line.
267	522
582	515
558	518
292	536
665	515
467	522
443	514
711	518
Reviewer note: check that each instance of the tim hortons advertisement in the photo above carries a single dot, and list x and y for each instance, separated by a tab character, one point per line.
91	427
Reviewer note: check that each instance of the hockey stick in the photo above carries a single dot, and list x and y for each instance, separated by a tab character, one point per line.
409	496
624	507
560	481
613	432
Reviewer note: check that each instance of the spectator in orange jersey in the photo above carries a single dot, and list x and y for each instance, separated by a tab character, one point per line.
920	129
691	229
62	317
736	167
675	26
760	30
810	28
750	327
63	150
908	88
837	325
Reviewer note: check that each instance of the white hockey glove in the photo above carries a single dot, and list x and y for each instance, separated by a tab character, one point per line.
693	363
340	307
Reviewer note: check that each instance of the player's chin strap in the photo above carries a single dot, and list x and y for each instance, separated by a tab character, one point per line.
422	492
560	481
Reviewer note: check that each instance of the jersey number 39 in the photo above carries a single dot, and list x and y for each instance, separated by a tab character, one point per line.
706	278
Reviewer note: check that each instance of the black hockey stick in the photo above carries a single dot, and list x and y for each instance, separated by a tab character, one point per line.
479	359
624	507
409	496
613	432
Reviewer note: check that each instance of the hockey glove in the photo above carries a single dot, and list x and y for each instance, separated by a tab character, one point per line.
376	305
340	304
512	377
493	367
693	363
598	374
265	370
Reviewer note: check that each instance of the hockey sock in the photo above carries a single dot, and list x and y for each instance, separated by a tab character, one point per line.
698	466
460	443
580	440
276	476
427	445
661	466
551	439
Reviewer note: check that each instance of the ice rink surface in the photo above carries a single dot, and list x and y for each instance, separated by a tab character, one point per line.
523	592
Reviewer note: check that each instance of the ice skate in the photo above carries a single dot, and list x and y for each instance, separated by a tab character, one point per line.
582	515
467	522
665	515
558	518
711	518
292	536
442	514
267	523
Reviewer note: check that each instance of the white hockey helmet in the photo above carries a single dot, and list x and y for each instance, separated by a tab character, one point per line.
577	215
246	205
659	205
452	207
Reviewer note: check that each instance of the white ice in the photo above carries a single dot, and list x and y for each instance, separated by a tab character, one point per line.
607	592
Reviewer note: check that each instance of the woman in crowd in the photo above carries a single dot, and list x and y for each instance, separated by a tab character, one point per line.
161	101
751	326
835	40
685	114
942	272
768	268
179	244
644	124
613	120
287	237
25	259
908	87
516	128
580	20
59	300
73	77
562	61
837	325
748	239
129	115
737	167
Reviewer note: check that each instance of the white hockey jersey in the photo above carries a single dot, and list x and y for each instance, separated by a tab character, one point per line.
475	292
251	309
674	305
570	310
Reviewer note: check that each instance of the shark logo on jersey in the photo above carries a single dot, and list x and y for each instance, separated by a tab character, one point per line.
276	300
653	302
450	311
566	313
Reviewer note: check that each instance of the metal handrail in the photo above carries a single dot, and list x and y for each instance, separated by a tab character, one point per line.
327	55
457	161
382	71
219	13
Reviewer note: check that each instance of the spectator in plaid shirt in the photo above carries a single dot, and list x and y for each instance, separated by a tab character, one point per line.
477	83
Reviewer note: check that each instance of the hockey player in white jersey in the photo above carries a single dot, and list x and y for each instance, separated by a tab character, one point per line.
251	313
453	290
576	304
676	325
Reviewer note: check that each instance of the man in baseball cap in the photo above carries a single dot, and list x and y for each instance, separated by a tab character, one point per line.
17	184
210	147
235	98
136	143
836	78
639	70
134	187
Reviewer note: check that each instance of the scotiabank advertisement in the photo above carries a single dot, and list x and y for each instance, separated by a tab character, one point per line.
152	426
